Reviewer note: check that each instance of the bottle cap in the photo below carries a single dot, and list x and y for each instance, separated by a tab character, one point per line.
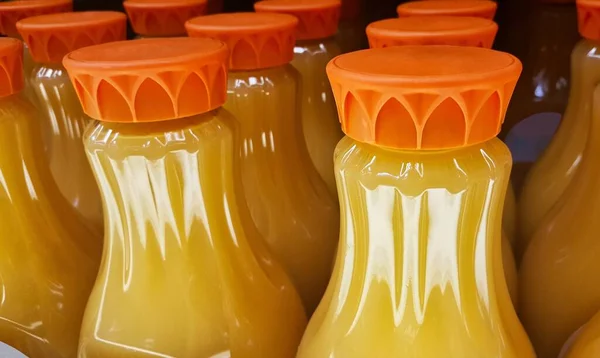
318	19
476	8
162	18
13	11
588	19
150	79
432	30
255	40
423	97
51	37
11	66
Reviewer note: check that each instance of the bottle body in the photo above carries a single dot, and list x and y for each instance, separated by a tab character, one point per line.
63	123
48	259
420	257
320	122
584	342
289	202
555	169
178	231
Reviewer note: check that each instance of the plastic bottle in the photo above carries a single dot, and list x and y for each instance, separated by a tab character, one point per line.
162	18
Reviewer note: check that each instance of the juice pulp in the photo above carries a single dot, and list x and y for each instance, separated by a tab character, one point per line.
319	116
288	200
418	271
62	126
554	171
184	272
48	259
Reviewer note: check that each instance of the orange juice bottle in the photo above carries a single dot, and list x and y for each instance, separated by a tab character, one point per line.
289	202
162	18
185	272
553	172
456	31
48	259
475	8
421	181
50	38
13	11
315	46
557	270
584	343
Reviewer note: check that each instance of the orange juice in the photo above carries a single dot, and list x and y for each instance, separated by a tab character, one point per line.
48	258
162	18
421	181
289	202
315	46
185	272
555	170
13	11
585	343
50	38
475	8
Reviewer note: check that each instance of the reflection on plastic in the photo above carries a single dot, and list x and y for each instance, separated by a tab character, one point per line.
528	139
9	352
419	269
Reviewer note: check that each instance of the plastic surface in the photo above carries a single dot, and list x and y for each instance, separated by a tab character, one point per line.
51	37
423	97
179	232
48	258
255	40
163	18
13	11
11	67
477	8
584	343
419	270
432	30
554	171
588	14
318	19
558	270
288	200
150	79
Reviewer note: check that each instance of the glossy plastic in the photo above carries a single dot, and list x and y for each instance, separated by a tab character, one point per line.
477	8
585	343
556	275
429	281
48	258
184	272
63	124
320	123
289	201
555	170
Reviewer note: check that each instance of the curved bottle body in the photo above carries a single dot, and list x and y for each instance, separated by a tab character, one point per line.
556	168
558	295
184	271
420	257
48	259
585	342
320	122
288	200
63	125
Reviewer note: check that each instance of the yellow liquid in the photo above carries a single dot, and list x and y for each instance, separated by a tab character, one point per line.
184	271
509	216
586	342
289	201
320	122
558	272
48	259
554	171
419	271
63	124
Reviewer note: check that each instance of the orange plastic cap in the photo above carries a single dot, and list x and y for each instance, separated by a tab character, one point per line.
13	11
318	19
150	79
432	30
11	66
51	37
162	18
588	13
423	97
255	40
476	8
